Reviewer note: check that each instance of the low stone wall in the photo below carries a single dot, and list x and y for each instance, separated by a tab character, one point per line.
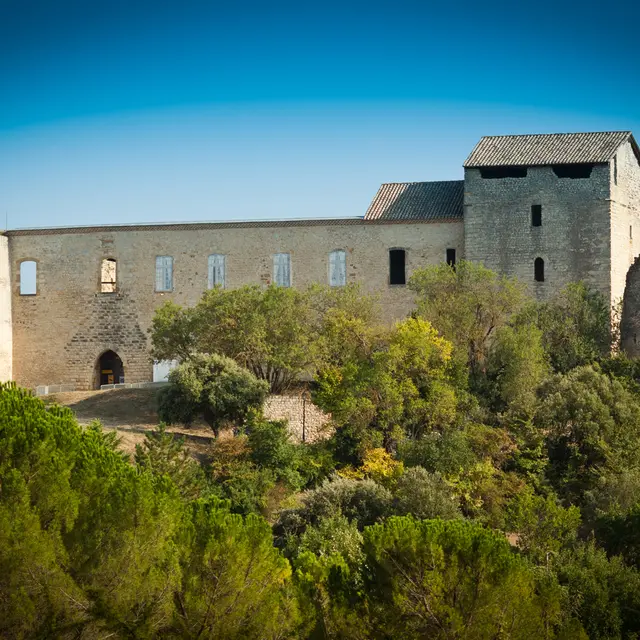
307	423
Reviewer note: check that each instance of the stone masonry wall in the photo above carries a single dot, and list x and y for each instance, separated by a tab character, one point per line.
307	423
6	333
574	239
625	218
59	334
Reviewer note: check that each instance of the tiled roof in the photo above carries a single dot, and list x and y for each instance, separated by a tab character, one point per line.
548	148
417	201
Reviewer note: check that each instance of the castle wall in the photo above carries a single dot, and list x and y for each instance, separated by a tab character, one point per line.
6	333
59	334
625	217
574	239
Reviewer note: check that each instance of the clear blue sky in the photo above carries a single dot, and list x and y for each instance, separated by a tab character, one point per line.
139	111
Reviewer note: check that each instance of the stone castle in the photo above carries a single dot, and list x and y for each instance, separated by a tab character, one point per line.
76	303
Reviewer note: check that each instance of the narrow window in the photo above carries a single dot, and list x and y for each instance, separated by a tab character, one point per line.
108	276
451	257
164	273
538	270
615	169
282	269
630	232
216	270
397	266
28	276
536	215
338	268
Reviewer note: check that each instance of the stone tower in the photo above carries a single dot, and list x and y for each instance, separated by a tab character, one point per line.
555	208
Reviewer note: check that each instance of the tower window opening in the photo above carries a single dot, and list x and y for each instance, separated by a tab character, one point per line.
108	276
573	170
536	215
397	272
495	173
451	257
538	270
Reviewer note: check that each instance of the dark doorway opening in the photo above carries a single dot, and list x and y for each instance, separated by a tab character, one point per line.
109	369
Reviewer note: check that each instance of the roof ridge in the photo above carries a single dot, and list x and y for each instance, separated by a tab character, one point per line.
557	133
422	182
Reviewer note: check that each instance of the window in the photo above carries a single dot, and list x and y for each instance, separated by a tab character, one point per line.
108	276
216	270
451	257
28	276
536	215
164	273
572	170
615	169
630	232
282	269
538	270
338	268
494	173
397	266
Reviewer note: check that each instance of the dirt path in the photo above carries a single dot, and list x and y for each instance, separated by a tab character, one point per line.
131	412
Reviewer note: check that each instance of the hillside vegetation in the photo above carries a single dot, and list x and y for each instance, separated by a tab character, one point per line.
482	480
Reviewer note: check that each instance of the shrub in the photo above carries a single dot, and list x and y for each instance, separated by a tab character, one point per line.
214	388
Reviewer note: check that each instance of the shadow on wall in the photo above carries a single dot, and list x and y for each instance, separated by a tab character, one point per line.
630	321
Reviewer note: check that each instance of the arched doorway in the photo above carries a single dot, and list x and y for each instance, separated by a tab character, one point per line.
109	369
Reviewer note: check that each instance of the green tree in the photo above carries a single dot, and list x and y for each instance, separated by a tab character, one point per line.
543	526
453	579
517	364
467	305
212	387
277	333
424	495
165	455
604	593
576	327
271	448
591	424
402	387
234	581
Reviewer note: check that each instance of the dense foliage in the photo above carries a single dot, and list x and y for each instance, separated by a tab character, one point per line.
482	479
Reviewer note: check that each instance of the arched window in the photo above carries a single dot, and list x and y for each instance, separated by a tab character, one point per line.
538	270
397	261
216	269
108	276
28	278
338	268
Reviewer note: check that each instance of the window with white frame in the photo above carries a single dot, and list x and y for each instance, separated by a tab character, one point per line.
282	269
216	270
338	268
164	273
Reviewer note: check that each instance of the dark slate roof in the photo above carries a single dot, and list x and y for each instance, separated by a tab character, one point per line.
549	148
417	201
